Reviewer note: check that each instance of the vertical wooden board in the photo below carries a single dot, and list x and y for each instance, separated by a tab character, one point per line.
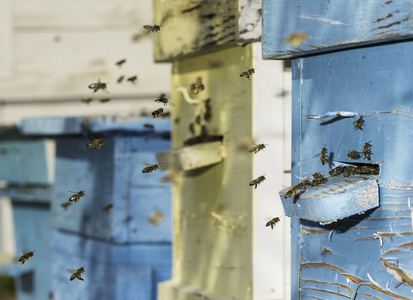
363	244
331	25
6	38
212	206
26	162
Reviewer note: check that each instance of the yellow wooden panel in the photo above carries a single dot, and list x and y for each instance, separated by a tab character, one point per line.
213	205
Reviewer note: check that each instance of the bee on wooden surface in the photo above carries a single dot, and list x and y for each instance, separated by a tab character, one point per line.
198	119
204	131
77	274
346	171
156	217
248	73
104	100
96	143
359	123
99	86
191	128
66	205
76	196
257	148
318	179
154	28
296	38
120	79
368	170
354	155
148	126
292	191
87	100
197	87
107	208
164	100
208	110
272	222
157	113
150	168
323	156
366	151
257	181
121	62
26	256
132	79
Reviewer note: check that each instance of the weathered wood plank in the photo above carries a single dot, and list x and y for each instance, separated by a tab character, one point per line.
332	25
193	26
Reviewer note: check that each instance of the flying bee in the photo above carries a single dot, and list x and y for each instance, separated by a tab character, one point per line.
323	156
148	126
248	73
132	79
197	87
257	148
96	143
156	217
121	62
164	100
76	196
354	155
366	151
107	208
296	38
26	256
150	168
77	274
104	100
359	123
99	86
87	100
272	222
66	205
257	181
120	79
154	28
157	113
208	110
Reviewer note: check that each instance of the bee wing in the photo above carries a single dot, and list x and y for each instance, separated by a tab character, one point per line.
71	270
105	91
253	149
171	103
148	27
146	164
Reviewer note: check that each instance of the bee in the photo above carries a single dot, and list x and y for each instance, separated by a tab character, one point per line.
296	38
358	124
164	100
154	28
104	100
121	62
368	170
150	168
157	113
204	131
318	179
323	156
87	100
107	208
354	155
208	110
257	148
99	86
292	191
26	256
120	79
66	205
96	143
366	151
132	79
346	171
248	73
156	217
272	222
76	196
198	119
257	181
191	128
197	87
149	126
77	274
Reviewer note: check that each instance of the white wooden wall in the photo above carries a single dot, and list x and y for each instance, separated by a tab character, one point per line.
50	51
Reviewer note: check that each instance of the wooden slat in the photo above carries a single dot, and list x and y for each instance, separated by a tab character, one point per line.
6	39
332	25
192	26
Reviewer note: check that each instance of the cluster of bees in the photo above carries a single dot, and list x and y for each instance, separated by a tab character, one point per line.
345	171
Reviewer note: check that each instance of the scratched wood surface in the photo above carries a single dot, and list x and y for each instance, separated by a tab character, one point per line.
192	26
374	247
51	51
332	25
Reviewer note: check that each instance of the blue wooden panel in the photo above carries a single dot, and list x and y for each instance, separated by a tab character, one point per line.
376	83
24	162
111	271
331	25
27	193
112	175
51	126
32	233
